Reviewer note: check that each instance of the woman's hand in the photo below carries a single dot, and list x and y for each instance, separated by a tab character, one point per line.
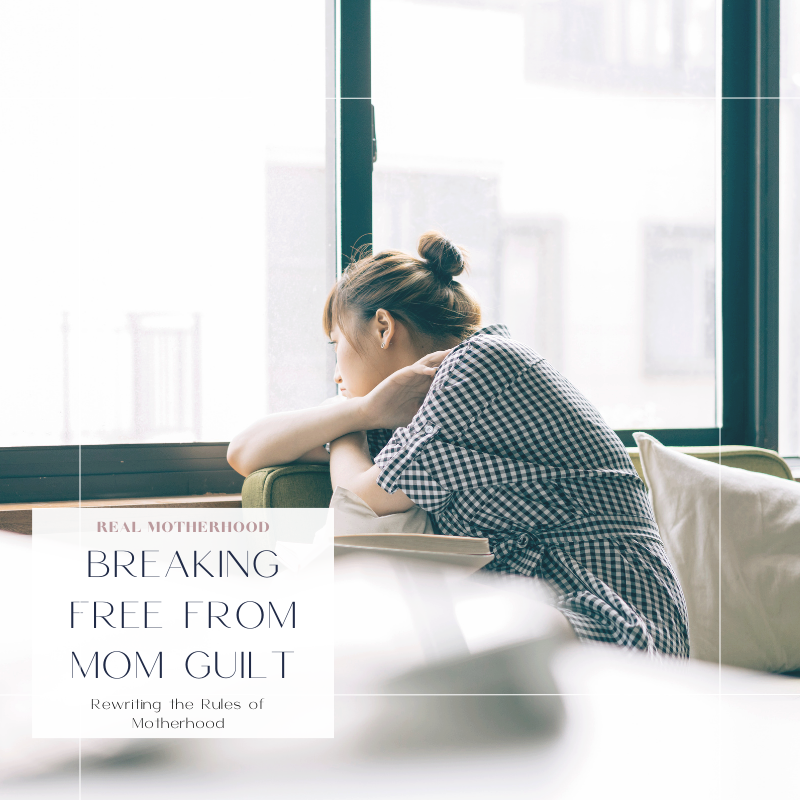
394	401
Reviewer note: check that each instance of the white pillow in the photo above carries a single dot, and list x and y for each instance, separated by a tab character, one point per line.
353	515
703	510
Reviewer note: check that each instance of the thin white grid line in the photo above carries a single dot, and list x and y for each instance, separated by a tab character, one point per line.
719	372
617	97
718	377
80	394
719	560
720	407
567	694
720	772
536	694
268	95
611	97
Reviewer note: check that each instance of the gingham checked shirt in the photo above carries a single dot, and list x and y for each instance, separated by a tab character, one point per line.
505	447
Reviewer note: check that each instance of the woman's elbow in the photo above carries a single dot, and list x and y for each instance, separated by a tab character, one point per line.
236	457
381	502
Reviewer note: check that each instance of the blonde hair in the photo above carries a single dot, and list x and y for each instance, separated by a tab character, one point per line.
419	292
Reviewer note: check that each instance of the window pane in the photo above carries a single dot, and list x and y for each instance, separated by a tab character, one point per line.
789	408
572	147
162	206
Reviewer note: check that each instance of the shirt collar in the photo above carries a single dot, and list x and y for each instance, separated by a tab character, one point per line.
494	330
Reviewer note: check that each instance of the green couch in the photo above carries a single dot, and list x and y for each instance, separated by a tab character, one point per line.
309	485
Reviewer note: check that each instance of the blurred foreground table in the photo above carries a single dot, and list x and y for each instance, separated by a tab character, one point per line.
447	687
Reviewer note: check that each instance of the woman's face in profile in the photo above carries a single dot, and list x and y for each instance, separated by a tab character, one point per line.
355	374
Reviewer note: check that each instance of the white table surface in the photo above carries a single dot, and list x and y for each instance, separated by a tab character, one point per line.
632	727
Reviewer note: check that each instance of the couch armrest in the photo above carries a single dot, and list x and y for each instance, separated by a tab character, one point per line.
309	485
754	459
291	486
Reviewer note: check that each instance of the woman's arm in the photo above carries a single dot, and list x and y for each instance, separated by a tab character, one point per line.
392	403
294	435
352	468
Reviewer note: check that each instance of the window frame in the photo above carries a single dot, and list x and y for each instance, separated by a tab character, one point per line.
750	266
749	275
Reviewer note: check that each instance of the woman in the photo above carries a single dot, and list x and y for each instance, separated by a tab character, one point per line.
488	438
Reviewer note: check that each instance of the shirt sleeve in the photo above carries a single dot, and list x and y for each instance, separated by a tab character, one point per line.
401	467
423	459
377	440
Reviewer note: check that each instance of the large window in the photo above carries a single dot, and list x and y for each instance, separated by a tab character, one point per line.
162	206
181	180
574	147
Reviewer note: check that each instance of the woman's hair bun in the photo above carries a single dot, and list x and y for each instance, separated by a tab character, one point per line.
445	259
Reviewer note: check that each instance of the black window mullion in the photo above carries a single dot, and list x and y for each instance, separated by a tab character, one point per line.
750	106
355	127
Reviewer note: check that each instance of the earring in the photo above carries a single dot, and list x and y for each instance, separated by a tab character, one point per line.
383	344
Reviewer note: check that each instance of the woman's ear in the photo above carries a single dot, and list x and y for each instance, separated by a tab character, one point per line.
384	327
